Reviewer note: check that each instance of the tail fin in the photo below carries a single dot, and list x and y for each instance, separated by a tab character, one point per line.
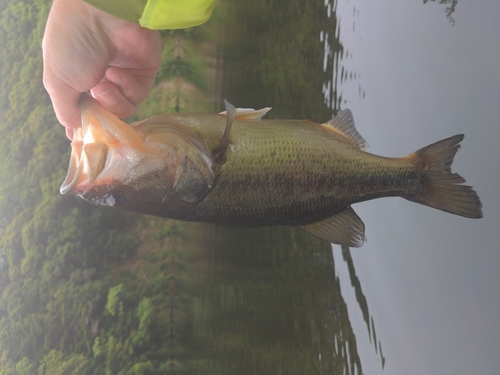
442	189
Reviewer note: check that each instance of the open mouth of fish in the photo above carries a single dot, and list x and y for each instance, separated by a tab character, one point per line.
97	157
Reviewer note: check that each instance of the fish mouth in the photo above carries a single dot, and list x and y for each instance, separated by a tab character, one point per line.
86	163
96	149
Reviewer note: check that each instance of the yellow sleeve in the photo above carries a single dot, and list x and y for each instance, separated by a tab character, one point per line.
159	14
176	14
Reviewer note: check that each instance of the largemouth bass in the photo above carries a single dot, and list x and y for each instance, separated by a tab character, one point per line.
236	169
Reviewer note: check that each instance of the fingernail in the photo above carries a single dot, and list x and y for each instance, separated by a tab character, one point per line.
108	97
69	133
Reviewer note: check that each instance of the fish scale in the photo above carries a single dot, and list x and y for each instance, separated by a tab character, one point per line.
299	183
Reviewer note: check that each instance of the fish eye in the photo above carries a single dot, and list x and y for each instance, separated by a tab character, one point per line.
119	198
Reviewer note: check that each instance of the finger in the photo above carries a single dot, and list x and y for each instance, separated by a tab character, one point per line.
111	97
135	84
64	100
69	133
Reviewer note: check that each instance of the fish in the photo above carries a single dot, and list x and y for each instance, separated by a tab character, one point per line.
234	168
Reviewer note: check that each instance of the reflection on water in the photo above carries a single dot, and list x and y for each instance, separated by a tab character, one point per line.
273	57
272	305
271	302
362	302
336	58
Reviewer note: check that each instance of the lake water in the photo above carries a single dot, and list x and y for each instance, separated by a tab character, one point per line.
422	296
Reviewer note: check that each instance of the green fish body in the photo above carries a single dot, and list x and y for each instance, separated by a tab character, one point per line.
243	171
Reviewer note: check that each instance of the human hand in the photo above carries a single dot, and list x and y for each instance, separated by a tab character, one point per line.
87	49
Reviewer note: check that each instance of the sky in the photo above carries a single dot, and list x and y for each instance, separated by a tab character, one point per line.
432	280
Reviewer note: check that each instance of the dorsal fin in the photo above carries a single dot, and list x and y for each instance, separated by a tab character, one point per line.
248	113
344	228
343	123
220	151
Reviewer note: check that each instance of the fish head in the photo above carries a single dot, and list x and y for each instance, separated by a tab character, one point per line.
114	164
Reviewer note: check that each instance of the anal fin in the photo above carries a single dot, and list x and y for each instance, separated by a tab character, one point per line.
343	123
344	228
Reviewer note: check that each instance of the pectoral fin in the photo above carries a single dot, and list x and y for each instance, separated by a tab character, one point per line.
220	151
191	183
344	228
